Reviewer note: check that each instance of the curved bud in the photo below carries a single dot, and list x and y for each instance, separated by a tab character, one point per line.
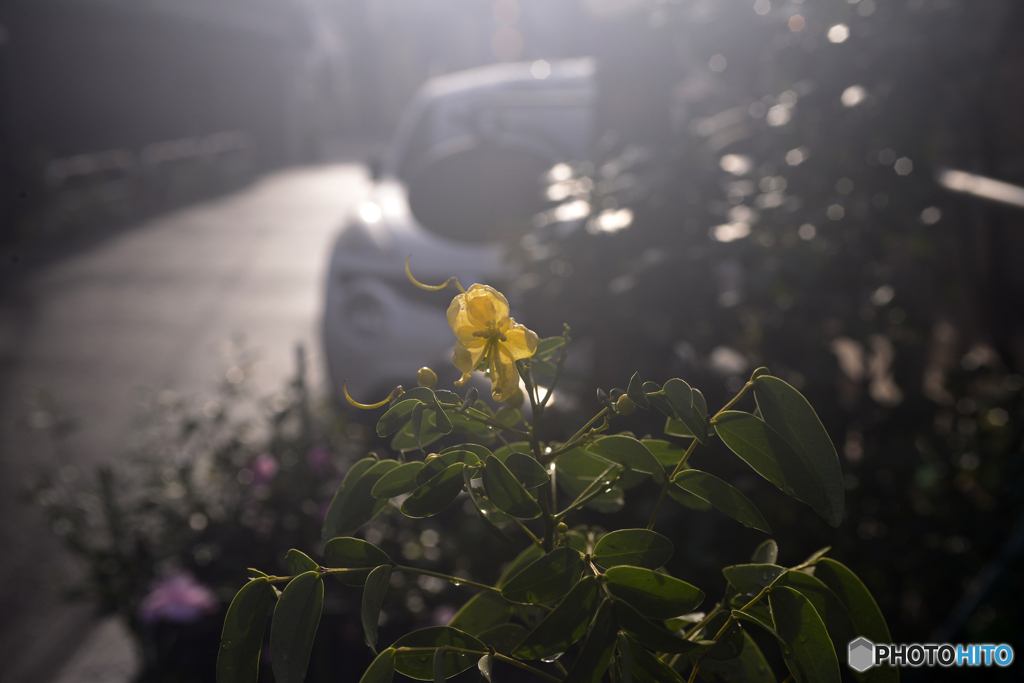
395	393
625	405
430	288
426	377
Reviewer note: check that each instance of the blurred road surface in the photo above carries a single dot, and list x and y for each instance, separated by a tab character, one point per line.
148	309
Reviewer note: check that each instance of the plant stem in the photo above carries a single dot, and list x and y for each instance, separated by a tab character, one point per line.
746	387
533	537
451	579
568	445
721	632
592	491
668	482
481	653
560	365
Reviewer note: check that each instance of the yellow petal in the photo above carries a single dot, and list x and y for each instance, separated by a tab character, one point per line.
504	376
521	342
466	358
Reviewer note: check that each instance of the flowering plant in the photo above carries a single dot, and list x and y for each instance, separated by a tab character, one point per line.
578	602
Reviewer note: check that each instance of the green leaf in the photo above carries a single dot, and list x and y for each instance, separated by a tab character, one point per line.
788	413
374	591
862	608
766	553
481	612
688	499
299	563
546	348
826	603
490	515
646	667
624	660
242	638
481	452
508	416
486	666
506	492
294	626
653	636
420	666
449	397
674	427
597	650
396	417
436	494
382	670
749	579
439	665
442	462
547	578
801	629
625	450
634	547
730	645
666	453
654	595
723	496
526	469
700	406
354	504
405	439
515	447
576	469
636	392
680	397
398	481
524	559
353	553
772	457
421	394
566	624
750	666
504	638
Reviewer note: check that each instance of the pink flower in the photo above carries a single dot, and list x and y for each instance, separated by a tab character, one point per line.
319	458
264	469
179	598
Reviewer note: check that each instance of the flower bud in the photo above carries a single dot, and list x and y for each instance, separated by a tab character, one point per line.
426	377
516	399
625	405
430	457
562	527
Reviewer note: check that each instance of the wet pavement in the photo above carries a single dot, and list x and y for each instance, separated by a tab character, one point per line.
150	308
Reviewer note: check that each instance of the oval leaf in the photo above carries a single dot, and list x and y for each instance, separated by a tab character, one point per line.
566	624
636	392
654	595
723	496
547	578
646	667
353	553
299	563
504	638
597	650
802	630
294	626
788	413
653	636
766	553
862	608
749	666
396	417
481	612
526	470
680	397
634	547
749	579
521	561
625	450
421	665
436	494
241	641
354	503
826	603
399	481
374	591
382	670
442	461
505	491
773	458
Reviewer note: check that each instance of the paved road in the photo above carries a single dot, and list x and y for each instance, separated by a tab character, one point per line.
151	309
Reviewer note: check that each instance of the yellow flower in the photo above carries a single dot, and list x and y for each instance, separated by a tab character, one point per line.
484	331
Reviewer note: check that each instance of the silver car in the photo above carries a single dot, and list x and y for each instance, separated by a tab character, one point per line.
463	173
